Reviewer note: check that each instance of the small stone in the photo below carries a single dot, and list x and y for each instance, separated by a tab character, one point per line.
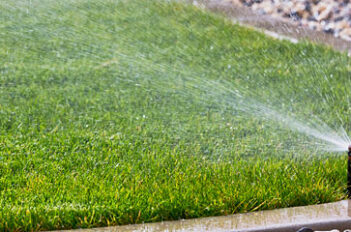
267	7
255	7
321	7
305	229
305	15
328	30
299	8
314	26
236	2
346	34
337	19
341	25
327	230
294	15
325	14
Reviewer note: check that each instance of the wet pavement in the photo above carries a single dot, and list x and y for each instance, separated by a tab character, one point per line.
317	217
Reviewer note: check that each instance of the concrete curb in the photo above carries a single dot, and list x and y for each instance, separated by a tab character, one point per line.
320	226
317	217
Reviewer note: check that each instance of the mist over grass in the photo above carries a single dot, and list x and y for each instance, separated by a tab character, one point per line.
116	112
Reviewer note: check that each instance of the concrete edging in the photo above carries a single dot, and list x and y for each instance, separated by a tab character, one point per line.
328	216
320	226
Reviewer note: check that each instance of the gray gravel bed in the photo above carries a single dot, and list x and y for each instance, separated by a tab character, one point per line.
330	16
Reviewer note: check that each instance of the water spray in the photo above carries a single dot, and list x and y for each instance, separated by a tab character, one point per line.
349	173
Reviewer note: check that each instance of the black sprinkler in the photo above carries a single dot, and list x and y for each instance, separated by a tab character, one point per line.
349	173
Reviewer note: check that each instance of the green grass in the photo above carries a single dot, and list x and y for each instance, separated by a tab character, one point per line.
98	128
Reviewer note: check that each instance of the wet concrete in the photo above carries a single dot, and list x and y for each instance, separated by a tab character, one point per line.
276	27
318	217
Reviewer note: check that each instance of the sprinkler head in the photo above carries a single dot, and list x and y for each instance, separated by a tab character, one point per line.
349	173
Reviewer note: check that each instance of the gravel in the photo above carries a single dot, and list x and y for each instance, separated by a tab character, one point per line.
330	16
305	229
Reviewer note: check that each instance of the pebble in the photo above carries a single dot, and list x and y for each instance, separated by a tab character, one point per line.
330	16
305	229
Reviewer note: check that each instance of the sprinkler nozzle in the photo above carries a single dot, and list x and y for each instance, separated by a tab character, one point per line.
349	173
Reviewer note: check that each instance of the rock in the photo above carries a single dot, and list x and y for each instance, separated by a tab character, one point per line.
314	26
267	7
329	28
346	34
300	8
325	13
341	25
338	19
305	229
236	2
305	15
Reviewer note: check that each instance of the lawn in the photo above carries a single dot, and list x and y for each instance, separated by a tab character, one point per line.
115	112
